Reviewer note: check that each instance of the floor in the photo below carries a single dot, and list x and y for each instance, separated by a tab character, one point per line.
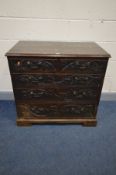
58	149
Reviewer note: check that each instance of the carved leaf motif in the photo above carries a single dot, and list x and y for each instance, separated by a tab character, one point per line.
41	93
35	79
27	64
53	110
64	94
94	66
37	111
65	65
60	80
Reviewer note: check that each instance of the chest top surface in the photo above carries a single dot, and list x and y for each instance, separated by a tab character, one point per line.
57	49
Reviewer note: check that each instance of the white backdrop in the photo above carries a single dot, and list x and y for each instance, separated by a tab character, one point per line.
64	20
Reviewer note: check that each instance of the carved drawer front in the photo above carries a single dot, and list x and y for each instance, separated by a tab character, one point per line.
28	80
55	110
83	66
57	65
65	94
33	64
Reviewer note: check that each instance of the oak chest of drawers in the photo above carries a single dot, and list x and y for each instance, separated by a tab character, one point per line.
57	82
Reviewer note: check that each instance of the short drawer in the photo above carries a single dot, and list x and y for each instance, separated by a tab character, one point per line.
35	65
59	94
23	65
34	80
56	111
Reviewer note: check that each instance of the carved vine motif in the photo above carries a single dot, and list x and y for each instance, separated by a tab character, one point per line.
89	80
27	64
89	66
51	110
80	94
35	79
63	65
78	109
59	95
41	93
79	80
66	110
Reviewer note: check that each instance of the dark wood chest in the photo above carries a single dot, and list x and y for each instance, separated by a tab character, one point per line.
57	82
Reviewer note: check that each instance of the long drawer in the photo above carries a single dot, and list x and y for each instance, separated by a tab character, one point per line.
37	80
60	94
56	111
36	65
